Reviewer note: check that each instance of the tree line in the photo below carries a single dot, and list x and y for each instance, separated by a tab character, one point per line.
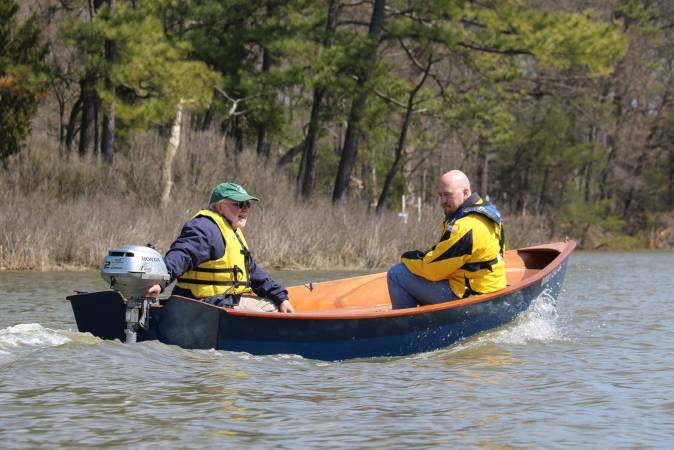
550	107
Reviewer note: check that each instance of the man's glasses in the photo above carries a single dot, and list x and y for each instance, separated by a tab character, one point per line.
241	205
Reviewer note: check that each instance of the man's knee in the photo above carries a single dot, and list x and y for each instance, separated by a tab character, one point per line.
395	272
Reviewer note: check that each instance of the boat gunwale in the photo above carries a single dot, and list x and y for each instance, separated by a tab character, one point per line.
564	248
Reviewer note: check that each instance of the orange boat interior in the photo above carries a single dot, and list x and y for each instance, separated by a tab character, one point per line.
369	293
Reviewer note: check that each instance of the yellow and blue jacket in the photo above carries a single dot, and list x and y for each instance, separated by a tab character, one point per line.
469	254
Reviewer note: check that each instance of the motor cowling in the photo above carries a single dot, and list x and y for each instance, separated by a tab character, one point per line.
133	269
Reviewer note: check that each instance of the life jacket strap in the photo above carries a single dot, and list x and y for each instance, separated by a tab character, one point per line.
469	290
474	267
204	270
213	283
247	257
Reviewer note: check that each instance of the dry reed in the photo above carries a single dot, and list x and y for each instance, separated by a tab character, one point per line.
59	212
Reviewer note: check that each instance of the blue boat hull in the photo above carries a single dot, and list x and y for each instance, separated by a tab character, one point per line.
336	339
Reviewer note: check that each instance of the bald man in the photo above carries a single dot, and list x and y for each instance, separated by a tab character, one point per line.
468	260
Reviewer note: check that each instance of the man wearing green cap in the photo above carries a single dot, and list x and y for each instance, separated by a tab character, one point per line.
211	261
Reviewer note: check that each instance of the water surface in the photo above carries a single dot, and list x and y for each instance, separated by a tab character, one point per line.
592	369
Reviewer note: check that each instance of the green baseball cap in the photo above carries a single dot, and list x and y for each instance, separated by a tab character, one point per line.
231	191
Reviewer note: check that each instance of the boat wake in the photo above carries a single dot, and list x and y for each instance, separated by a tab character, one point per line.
539	323
29	336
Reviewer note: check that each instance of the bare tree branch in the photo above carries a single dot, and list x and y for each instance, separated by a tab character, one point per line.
233	110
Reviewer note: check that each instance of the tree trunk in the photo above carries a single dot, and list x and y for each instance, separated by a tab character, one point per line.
207	118
670	190
483	169
353	131
407	120
71	128
544	186
263	146
171	151
90	101
306	174
88	128
238	136
289	155
108	139
393	171
62	115
589	167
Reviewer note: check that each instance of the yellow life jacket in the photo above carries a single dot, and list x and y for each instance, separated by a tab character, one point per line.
225	276
469	254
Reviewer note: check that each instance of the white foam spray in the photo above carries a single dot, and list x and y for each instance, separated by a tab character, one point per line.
30	335
537	324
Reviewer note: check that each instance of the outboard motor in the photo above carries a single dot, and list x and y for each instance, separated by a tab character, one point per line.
132	270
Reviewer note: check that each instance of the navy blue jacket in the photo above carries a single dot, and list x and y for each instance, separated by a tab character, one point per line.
201	240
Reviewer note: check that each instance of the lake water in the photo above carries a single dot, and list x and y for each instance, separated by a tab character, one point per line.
594	369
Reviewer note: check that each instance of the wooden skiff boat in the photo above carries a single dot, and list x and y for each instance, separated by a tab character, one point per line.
339	319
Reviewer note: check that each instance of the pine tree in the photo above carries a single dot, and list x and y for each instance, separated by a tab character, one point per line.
130	62
23	76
